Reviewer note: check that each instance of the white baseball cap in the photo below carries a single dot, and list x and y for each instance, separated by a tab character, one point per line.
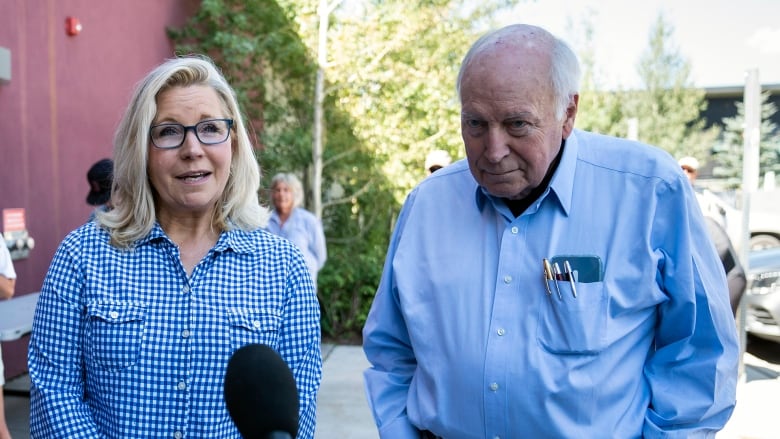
689	162
438	157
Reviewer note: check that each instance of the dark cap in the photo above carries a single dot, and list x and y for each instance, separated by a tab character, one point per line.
99	177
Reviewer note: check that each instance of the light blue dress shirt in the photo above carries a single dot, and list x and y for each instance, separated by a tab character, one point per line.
465	341
126	345
304	230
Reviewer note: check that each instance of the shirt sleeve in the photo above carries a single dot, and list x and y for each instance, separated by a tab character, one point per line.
388	349
300	346
54	360
6	264
319	248
692	372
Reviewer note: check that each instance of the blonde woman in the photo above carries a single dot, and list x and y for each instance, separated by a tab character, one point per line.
142	308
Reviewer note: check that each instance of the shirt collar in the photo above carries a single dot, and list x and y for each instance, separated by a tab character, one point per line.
562	183
230	240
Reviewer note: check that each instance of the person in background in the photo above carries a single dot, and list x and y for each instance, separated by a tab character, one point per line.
572	297
708	201
100	177
142	308
7	287
436	160
291	221
715	217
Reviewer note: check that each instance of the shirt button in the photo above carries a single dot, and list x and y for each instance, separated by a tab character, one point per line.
182	385
500	331
507	279
515	230
185	333
177	435
256	323
114	314
185	289
494	386
496	437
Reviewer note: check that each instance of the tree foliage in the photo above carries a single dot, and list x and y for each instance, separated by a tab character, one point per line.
600	110
728	152
392	67
667	107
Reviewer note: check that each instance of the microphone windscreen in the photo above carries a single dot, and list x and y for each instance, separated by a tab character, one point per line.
260	393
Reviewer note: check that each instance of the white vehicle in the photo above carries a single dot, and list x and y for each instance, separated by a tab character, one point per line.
764	217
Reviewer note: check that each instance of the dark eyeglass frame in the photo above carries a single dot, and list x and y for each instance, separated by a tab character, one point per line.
194	129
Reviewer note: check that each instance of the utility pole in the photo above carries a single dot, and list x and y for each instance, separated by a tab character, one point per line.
751	142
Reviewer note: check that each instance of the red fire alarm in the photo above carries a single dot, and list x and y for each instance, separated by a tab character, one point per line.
72	26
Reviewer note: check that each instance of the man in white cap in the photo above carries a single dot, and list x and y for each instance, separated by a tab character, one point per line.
436	160
711	205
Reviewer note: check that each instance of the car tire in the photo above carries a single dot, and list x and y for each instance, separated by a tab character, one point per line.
762	241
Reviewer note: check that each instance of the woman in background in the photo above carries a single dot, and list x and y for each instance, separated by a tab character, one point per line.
295	223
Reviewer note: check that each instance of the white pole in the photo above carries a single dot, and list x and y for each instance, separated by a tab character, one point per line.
633	128
751	141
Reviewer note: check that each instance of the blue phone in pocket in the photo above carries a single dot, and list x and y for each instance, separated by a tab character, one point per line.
586	268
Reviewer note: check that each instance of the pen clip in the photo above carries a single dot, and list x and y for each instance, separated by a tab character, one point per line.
548	275
570	274
557	275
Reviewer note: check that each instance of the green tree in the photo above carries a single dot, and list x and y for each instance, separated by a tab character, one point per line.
728	152
665	110
600	110
392	67
668	107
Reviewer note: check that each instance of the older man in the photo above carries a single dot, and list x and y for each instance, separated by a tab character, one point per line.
550	285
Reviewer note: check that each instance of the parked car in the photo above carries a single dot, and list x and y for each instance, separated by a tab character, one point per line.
762	298
764	230
764	218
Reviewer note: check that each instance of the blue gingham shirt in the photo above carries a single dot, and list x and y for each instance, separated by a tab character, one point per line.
126	345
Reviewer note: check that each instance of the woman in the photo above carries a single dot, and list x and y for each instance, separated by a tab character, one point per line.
142	308
295	223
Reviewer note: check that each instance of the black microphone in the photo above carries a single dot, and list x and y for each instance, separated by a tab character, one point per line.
260	394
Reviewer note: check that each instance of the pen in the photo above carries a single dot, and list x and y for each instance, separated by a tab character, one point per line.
557	273
548	275
570	275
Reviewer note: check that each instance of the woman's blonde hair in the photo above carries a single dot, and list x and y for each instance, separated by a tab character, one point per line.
132	196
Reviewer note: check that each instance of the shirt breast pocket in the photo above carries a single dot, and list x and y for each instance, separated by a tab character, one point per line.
115	333
570	325
253	326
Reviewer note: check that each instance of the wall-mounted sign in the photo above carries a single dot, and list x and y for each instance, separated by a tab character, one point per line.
15	234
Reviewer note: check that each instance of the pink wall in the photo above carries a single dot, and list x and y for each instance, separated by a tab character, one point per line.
59	111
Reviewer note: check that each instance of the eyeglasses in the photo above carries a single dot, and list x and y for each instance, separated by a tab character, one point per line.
208	132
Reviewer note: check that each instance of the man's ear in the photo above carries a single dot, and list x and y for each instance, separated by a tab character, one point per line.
571	114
